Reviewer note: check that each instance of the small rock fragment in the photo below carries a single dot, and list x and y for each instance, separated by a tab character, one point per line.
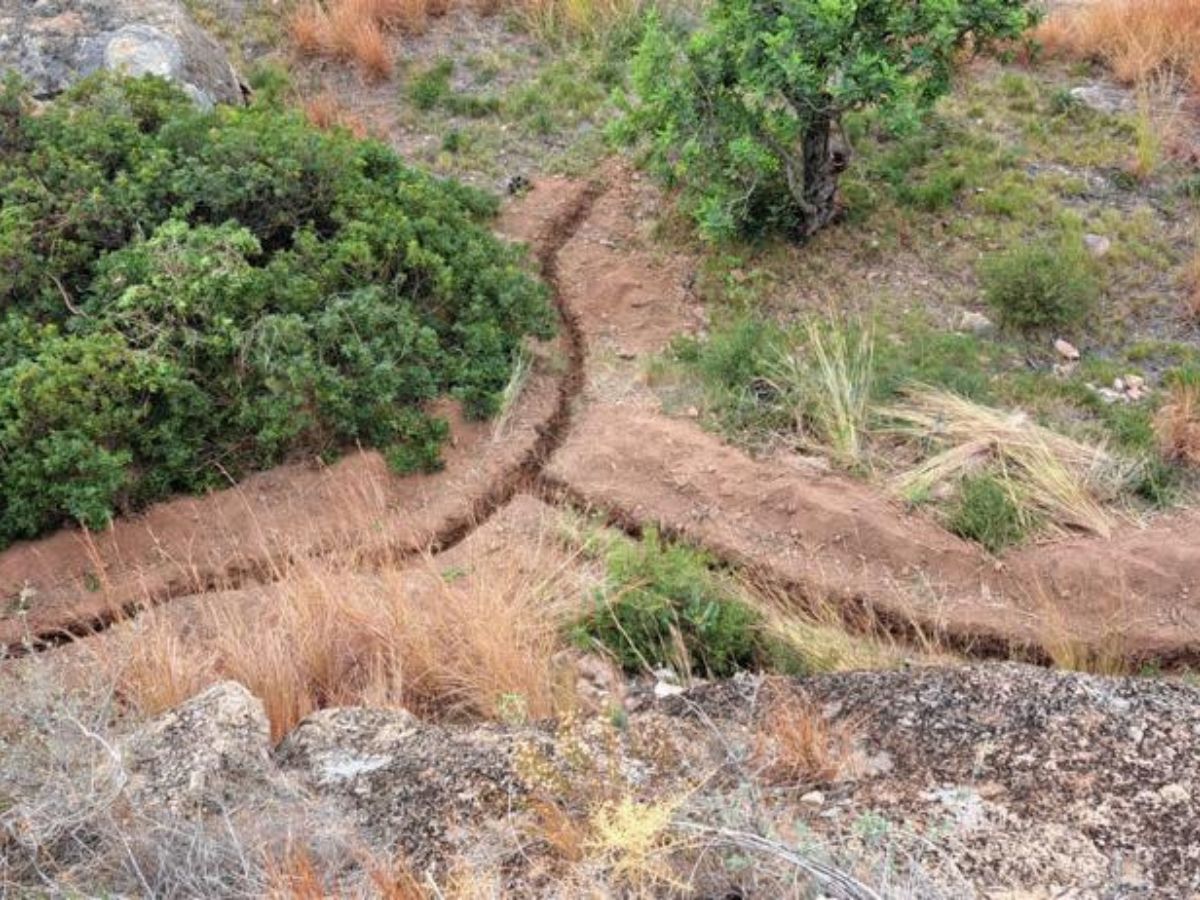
1174	794
813	798
1097	244
975	323
1066	349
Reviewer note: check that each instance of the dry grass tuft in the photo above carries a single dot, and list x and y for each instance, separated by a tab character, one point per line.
358	30
1136	39
818	636
479	647
325	112
795	744
1177	425
1105	652
308	27
1062	480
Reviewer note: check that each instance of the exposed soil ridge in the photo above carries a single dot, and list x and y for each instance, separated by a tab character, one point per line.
817	537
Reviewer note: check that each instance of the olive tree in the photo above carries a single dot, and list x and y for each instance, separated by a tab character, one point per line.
742	114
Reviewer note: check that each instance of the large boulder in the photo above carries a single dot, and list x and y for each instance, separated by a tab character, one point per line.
207	756
53	43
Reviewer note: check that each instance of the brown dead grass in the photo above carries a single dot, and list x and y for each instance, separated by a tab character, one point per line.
1177	425
359	31
475	647
1136	39
324	111
795	743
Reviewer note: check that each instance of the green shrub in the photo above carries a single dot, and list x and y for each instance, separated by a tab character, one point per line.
664	606
187	295
987	513
1036	287
743	114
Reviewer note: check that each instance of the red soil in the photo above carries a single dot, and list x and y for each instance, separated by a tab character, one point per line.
820	535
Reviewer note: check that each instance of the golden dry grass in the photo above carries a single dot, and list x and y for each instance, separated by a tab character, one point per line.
479	647
1136	39
359	31
1177	425
1066	482
324	111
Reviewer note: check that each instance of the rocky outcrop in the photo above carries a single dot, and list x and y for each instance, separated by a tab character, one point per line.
208	756
972	781
410	785
53	43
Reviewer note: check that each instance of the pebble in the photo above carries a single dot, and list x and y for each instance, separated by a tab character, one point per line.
1066	349
813	798
1097	244
1174	793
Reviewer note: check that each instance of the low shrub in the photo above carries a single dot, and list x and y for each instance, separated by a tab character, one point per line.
664	606
187	295
1038	286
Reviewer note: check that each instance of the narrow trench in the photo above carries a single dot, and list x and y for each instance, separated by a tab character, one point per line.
528	476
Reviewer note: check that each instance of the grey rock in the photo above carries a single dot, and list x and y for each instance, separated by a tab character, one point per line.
207	755
54	43
1104	97
402	781
1097	244
975	323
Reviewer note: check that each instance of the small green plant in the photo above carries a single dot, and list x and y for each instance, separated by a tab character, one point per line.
430	88
1037	286
986	512
664	606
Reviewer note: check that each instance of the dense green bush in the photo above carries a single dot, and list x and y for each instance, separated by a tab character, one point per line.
663	606
1034	286
188	295
742	114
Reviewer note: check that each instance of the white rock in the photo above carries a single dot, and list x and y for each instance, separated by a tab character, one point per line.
813	798
1174	793
1135	382
1097	244
1066	349
662	690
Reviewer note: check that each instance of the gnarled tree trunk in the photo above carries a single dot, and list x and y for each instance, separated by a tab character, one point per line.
818	193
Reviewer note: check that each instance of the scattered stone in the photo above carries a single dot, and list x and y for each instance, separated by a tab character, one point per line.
1064	370
693	412
1097	244
975	323
663	689
517	184
1104	97
1174	794
1066	350
813	798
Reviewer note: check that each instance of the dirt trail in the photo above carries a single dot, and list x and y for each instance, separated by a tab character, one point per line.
575	439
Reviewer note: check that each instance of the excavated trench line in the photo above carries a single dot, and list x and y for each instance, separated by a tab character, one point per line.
530	475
